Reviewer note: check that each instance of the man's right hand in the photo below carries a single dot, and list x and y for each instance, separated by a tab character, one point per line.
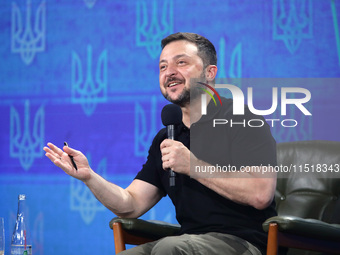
61	159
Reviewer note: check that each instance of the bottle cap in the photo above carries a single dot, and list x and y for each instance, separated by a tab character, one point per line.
22	197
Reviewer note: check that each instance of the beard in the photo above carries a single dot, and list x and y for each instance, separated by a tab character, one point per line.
182	100
191	93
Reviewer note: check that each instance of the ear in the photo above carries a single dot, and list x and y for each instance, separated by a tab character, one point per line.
210	72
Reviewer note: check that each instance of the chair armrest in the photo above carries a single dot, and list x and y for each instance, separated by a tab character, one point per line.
149	229
310	228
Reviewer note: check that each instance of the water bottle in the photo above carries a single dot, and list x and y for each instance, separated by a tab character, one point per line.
21	242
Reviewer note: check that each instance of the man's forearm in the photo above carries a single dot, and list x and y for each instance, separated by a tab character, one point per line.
242	187
115	198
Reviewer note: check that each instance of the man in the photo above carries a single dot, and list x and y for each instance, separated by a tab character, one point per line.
217	215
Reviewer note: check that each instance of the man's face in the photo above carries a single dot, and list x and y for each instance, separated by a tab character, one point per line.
179	63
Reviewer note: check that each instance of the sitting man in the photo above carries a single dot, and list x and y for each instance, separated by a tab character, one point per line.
221	215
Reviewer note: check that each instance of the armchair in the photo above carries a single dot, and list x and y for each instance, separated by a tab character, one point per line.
308	204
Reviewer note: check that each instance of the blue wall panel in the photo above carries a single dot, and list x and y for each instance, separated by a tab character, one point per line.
86	72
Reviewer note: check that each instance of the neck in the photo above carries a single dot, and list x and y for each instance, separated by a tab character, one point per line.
192	112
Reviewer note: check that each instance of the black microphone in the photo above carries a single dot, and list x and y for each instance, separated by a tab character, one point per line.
171	117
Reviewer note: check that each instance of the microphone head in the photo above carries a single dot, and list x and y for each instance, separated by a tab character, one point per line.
171	115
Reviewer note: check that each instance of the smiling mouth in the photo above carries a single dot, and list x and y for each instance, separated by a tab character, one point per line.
172	84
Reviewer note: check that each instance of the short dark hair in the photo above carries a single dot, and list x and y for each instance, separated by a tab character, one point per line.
206	50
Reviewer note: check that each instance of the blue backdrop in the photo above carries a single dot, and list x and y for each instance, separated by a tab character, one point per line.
86	72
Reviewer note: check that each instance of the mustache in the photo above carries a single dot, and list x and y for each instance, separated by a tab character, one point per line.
173	79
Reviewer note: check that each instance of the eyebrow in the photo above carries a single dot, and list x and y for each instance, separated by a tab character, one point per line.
175	57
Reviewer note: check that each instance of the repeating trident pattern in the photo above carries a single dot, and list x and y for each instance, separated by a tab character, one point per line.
235	67
91	92
143	133
23	144
292	22
28	39
149	34
82	199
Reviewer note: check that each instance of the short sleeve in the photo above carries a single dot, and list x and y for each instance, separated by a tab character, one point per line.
150	171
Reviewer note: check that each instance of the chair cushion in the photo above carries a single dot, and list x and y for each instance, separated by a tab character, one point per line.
306	227
148	229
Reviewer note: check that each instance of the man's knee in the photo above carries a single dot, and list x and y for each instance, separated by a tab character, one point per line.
172	245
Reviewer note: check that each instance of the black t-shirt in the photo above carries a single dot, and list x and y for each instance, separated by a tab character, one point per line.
198	208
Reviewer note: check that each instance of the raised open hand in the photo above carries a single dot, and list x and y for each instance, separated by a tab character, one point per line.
61	159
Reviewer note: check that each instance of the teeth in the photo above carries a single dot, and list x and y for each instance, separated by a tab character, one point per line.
173	84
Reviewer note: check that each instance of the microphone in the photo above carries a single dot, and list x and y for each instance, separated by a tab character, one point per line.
171	117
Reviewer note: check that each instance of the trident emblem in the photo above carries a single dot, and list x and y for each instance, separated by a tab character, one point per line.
149	34
25	38
23	144
144	135
292	22
93	90
235	67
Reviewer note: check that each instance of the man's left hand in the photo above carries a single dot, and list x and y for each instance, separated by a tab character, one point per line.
175	156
